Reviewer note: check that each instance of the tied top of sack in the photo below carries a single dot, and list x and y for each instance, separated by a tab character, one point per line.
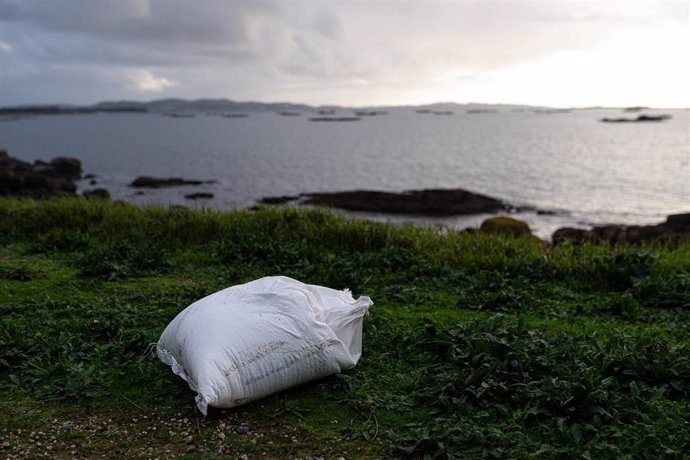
252	340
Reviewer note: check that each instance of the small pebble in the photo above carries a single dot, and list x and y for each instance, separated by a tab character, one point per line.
242	429
189	439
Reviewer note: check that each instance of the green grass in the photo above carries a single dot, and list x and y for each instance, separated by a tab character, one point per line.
477	346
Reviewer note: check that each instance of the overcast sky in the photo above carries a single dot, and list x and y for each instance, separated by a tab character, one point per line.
556	52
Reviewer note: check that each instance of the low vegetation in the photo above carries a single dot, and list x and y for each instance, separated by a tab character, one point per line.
477	346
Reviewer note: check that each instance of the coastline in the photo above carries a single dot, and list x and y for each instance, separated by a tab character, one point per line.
450	208
565	162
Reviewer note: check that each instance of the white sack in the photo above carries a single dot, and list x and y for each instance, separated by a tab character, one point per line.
251	340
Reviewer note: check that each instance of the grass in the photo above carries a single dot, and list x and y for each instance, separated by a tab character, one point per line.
477	346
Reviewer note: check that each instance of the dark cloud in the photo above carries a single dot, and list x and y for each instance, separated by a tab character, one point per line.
270	48
147	21
208	27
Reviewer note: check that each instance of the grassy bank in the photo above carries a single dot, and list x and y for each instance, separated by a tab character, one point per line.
476	346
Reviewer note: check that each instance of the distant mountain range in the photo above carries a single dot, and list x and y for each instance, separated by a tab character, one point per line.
202	105
173	105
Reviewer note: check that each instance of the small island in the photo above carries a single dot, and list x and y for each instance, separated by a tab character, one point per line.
160	182
427	202
639	119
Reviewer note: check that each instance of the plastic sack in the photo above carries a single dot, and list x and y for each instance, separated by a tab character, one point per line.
252	340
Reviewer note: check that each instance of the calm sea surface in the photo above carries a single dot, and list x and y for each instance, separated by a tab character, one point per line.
588	172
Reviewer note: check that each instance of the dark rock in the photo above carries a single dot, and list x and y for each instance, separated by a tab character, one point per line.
637	233
156	182
639	119
568	234
611	233
505	226
196	196
335	119
432	202
551	212
93	182
36	181
653	118
67	167
678	221
67	186
675	228
40	180
11	181
97	193
278	199
13	165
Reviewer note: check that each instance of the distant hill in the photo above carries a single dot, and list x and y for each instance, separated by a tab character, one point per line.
474	106
225	105
205	105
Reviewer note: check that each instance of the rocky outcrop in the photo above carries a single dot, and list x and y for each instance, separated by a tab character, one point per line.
335	119
571	234
503	225
639	119
677	226
158	182
39	180
60	167
96	194
278	199
431	202
200	195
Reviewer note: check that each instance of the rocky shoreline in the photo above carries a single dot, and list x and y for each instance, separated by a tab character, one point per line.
427	202
43	179
675	227
450	202
38	180
58	178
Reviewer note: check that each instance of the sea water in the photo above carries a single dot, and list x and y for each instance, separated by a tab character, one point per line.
584	172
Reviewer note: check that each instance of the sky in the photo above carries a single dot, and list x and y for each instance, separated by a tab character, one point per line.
558	53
